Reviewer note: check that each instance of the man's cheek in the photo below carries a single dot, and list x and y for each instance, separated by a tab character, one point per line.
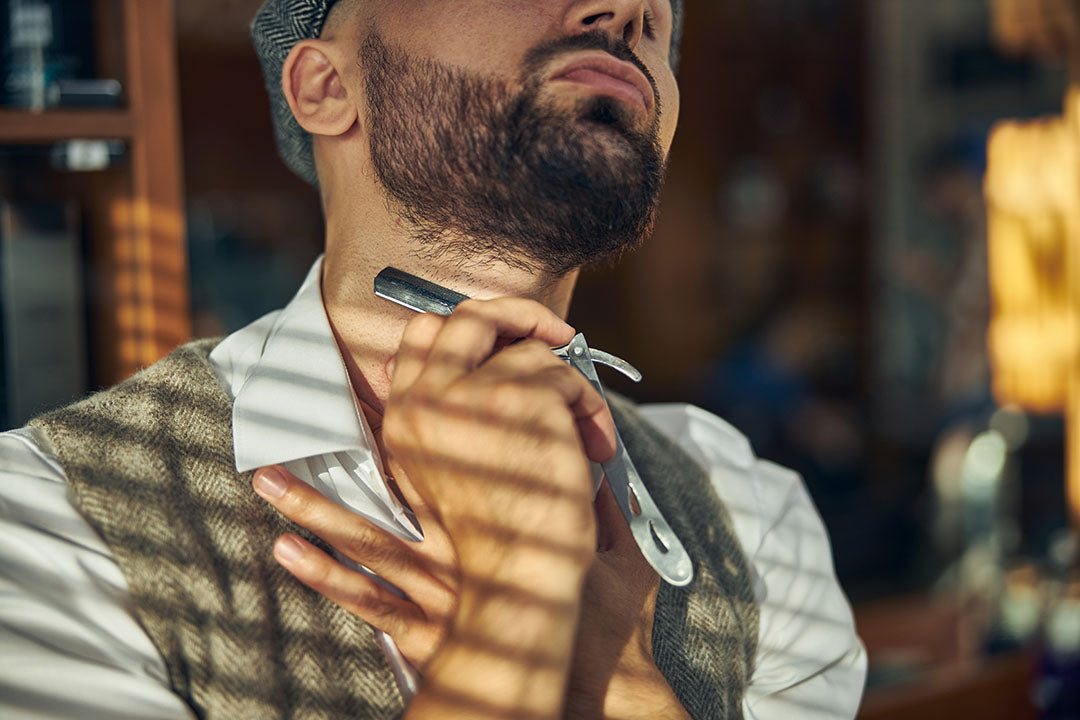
669	118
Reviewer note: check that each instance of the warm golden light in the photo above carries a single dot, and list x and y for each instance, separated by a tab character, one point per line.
1033	200
149	283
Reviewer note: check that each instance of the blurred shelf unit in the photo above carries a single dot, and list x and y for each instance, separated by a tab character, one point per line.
22	126
133	211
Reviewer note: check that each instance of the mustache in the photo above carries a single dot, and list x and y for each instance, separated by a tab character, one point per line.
538	57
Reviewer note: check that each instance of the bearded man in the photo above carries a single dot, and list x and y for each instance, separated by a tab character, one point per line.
423	537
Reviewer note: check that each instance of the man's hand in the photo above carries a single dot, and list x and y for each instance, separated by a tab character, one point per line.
614	675
495	434
426	572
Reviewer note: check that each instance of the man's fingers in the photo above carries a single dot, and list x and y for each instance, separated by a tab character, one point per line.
515	318
355	592
532	364
349	533
595	424
436	351
417	620
598	436
416	340
408	491
475	329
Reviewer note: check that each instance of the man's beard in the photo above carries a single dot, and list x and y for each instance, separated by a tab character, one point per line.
482	171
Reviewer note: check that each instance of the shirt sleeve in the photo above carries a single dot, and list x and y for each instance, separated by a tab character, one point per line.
72	646
810	663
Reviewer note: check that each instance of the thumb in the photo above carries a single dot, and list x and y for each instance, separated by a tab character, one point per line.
407	491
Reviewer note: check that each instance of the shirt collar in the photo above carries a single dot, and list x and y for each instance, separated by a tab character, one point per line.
292	395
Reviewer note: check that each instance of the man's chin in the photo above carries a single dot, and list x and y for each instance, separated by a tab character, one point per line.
609	134
607	148
604	110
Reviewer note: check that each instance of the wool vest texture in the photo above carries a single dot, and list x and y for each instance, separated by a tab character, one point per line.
150	466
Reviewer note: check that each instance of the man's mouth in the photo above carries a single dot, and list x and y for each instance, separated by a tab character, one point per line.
607	75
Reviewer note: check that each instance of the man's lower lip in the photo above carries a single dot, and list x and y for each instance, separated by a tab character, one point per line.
606	85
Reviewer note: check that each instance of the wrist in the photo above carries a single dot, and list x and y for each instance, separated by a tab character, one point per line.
636	690
644	700
546	569
522	608
507	654
644	694
518	549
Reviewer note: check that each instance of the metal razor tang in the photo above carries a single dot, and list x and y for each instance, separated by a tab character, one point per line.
658	542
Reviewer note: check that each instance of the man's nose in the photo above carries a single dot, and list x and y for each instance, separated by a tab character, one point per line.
618	18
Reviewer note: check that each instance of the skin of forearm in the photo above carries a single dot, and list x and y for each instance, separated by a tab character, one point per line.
508	652
643	695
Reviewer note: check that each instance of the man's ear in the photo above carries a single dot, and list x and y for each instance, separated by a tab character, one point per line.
314	89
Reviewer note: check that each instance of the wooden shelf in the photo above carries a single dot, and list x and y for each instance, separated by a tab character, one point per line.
135	225
23	126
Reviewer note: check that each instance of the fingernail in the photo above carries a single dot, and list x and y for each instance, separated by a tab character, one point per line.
390	365
270	483
288	550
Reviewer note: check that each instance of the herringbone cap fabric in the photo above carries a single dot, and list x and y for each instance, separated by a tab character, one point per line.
280	24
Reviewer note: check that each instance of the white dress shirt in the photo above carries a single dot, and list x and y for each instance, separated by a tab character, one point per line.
71	645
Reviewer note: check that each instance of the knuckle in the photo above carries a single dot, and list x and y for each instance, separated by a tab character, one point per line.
376	553
510	394
296	504
317	573
539	350
420	328
544	392
403	423
367	545
312	569
444	602
477	313
381	610
532	353
560	373
538	406
471	307
547	397
432	632
377	607
360	540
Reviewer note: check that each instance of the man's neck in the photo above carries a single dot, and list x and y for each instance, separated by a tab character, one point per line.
368	329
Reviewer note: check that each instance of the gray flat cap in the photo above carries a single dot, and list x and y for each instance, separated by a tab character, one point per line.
280	24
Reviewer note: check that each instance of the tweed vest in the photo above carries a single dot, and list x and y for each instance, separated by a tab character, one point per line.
150	466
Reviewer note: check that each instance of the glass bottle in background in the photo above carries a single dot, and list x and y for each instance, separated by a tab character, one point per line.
43	43
28	35
1057	684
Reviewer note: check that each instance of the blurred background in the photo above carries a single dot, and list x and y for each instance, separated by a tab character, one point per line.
866	261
